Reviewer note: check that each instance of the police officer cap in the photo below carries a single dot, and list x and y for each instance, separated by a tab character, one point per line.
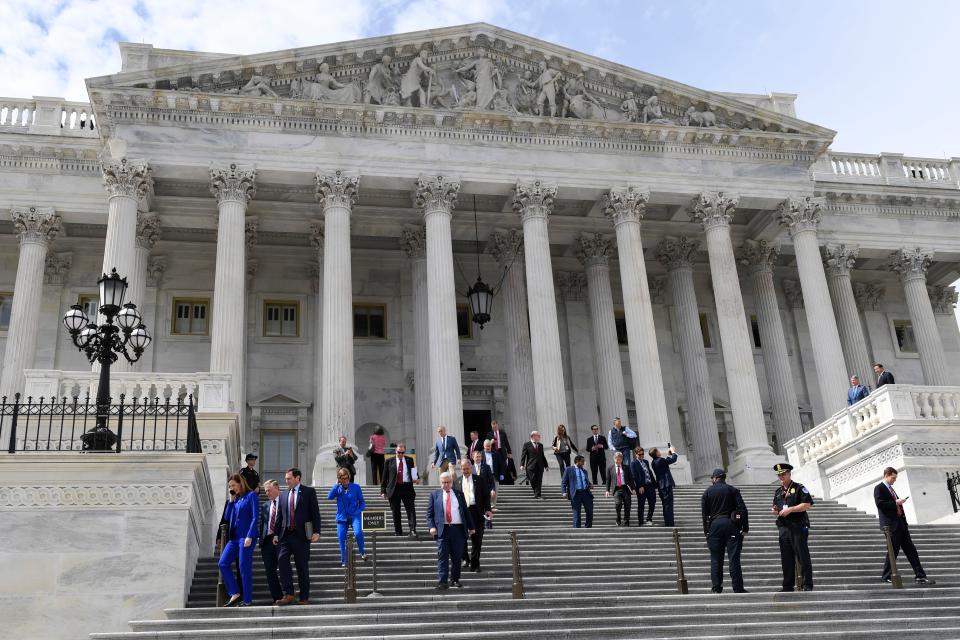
718	473
251	456
782	467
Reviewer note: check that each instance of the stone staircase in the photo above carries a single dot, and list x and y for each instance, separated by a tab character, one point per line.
605	582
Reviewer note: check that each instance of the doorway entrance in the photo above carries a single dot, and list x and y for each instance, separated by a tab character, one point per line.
475	420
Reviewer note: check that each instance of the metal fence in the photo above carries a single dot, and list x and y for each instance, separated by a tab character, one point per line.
68	424
953	487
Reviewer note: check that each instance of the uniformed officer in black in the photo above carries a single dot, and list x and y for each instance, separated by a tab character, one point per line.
249	473
791	503
724	524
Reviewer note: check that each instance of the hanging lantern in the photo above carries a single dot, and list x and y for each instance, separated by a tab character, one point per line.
480	297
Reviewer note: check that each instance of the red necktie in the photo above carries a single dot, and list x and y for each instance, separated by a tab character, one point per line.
400	470
273	517
448	511
899	507
619	481
292	521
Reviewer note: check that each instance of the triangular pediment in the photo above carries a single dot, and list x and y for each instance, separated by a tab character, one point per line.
462	71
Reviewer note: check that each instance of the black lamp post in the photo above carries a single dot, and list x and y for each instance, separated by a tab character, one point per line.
122	328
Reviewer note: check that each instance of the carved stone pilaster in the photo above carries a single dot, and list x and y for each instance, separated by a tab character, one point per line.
943	298
800	213
413	241
533	199
793	294
148	230
437	193
156	267
571	285
251	227
593	249
910	264
337	190
126	177
37	225
506	246
868	295
758	255
677	253
315	271
253	265
233	183
57	268
316	236
714	208
657	284
625	205
839	259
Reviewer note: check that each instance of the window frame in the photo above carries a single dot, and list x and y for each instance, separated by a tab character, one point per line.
178	299
369	305
265	303
892	322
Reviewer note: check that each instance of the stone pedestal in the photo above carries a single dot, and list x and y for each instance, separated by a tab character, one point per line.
839	260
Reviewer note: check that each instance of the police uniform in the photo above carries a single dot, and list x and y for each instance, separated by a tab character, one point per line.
724	523
793	532
251	475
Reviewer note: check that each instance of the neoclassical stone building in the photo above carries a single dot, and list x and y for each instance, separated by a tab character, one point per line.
301	228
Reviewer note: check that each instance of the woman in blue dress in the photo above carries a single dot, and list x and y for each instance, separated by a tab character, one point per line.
241	514
350	506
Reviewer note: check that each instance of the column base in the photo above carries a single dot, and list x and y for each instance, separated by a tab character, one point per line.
681	470
325	468
753	467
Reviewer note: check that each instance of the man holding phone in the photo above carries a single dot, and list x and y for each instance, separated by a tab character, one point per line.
890	510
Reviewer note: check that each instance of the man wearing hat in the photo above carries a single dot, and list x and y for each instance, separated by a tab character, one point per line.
250	474
791	503
724	524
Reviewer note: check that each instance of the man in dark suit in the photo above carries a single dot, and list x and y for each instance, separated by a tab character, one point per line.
476	444
270	523
890	510
482	469
646	486
450	522
534	462
665	484
501	443
476	495
597	446
249	472
446	451
346	457
399	476
724	524
576	487
620	483
300	526
883	376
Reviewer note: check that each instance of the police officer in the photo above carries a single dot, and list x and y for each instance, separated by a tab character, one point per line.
724	524
249	473
791	503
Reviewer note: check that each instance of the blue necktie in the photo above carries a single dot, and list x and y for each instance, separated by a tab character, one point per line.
580	484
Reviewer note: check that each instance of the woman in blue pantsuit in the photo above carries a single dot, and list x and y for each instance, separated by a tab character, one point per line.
350	506
241	514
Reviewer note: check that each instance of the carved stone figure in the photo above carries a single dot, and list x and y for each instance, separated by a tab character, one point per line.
325	88
380	82
257	86
392	99
443	96
487	77
700	118
547	89
580	104
651	109
412	83
469	98
502	102
526	98
631	108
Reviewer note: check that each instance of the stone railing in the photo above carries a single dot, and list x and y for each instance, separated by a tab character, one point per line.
48	116
211	391
901	402
888	168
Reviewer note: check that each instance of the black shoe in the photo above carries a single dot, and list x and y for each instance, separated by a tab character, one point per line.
887	580
924	580
806	588
716	589
456	583
441	586
740	591
234	601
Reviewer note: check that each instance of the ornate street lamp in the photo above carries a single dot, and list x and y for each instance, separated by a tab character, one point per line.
122	328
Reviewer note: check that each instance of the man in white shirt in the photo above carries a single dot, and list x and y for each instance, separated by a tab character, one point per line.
476	495
450	522
269	527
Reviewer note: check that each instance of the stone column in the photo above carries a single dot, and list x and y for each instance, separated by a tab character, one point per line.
839	260
801	216
534	201
944	301
125	181
911	265
233	186
576	349
759	259
793	296
315	271
437	197
37	228
626	207
413	241
156	266
507	249
754	457
52	336
594	251
148	231
677	255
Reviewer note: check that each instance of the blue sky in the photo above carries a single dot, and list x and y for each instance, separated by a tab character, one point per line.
881	73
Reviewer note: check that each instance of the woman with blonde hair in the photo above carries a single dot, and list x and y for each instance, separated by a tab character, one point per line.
350	506
562	444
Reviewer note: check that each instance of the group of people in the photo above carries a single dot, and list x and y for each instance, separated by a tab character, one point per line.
859	391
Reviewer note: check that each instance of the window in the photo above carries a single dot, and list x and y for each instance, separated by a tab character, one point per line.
464	321
621	323
281	318
278	452
755	331
369	321
90	303
190	316
705	331
903	329
6	302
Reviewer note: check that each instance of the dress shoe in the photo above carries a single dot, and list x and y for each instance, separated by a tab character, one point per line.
456	583
740	591
365	558
303	602
245	604
924	580
716	590
284	601
785	590
234	601
887	580
441	586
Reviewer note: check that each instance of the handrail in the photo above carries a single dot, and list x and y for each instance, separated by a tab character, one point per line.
518	591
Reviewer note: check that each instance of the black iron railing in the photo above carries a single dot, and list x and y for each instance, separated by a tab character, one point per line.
67	424
953	487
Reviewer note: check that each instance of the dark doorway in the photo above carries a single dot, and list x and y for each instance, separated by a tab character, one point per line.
475	420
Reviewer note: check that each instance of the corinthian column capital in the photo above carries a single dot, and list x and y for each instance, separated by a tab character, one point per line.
39	225
148	230
677	253
156	266
593	249
943	298
506	246
436	194
868	295
800	213
910	264
413	241
337	189
625	205
758	255
534	199
126	177
571	284
840	258
714	208
233	183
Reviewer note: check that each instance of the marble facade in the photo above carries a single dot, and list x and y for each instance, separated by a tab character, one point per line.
348	174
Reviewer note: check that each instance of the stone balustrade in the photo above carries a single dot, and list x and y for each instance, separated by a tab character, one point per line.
888	168
211	391
49	116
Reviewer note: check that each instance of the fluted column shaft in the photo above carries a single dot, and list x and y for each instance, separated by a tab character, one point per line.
594	251
677	255
912	266
714	211
802	216
37	228
413	242
316	273
626	207
759	258
534	202
839	260
437	196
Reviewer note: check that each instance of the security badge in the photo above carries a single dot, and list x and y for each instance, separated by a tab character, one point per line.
792	491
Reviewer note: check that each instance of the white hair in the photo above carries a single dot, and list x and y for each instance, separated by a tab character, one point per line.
534	433
446	474
273	483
